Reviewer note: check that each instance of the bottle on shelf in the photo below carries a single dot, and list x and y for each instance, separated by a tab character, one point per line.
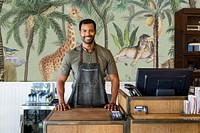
194	45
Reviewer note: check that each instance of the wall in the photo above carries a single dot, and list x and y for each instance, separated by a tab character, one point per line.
118	18
13	95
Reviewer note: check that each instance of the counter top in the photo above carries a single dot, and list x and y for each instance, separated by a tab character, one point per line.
163	118
83	120
79	114
38	106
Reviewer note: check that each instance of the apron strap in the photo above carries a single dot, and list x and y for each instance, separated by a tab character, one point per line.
81	55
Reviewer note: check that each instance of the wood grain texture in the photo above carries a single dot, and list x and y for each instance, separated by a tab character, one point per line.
80	114
123	102
83	120
85	129
165	128
159	106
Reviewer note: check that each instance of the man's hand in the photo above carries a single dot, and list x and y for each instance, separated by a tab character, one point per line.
111	106
62	107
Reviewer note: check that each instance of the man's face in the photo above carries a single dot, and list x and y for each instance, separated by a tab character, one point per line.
87	33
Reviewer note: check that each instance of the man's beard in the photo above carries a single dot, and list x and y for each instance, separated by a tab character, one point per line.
86	41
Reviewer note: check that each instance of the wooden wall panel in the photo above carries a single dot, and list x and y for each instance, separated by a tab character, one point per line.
123	102
85	129
165	128
159	106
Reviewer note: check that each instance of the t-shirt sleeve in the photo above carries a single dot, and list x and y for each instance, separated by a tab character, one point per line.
65	66
112	68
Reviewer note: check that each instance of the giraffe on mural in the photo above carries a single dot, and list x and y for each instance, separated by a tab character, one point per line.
51	63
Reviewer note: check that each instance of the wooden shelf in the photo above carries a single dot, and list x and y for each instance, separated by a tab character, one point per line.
165	114
192	32
184	18
194	53
178	117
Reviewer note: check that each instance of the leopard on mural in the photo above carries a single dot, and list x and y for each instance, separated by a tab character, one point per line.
168	63
144	50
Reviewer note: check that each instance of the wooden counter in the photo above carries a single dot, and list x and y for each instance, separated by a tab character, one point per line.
165	123
164	115
155	104
83	120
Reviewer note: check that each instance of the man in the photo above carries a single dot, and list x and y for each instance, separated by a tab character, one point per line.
89	63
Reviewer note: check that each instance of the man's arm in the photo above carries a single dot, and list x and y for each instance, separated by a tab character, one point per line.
62	106
114	92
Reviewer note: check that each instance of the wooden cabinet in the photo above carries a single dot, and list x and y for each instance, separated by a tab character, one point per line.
164	115
164	124
187	39
83	120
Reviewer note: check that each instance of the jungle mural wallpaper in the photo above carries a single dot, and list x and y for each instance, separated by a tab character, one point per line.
36	34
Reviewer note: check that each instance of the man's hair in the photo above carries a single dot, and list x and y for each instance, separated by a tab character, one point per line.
87	21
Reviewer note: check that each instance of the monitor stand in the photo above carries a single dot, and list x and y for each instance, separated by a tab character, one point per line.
165	88
165	92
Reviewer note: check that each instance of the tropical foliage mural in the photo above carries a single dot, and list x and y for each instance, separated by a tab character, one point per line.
36	34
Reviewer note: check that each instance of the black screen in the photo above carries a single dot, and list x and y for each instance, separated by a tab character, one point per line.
163	82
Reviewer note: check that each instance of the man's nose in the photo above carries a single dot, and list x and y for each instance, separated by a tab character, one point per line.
87	33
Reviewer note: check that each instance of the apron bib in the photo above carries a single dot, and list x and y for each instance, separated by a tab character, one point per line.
89	88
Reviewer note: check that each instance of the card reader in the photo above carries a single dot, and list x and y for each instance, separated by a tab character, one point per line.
116	115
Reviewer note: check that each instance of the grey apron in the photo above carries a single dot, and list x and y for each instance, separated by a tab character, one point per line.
89	88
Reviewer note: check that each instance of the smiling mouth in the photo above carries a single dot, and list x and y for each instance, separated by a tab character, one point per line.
88	37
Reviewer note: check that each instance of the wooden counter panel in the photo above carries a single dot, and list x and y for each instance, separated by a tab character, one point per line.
81	114
83	120
165	128
155	104
85	129
159	106
165	123
181	117
123	102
